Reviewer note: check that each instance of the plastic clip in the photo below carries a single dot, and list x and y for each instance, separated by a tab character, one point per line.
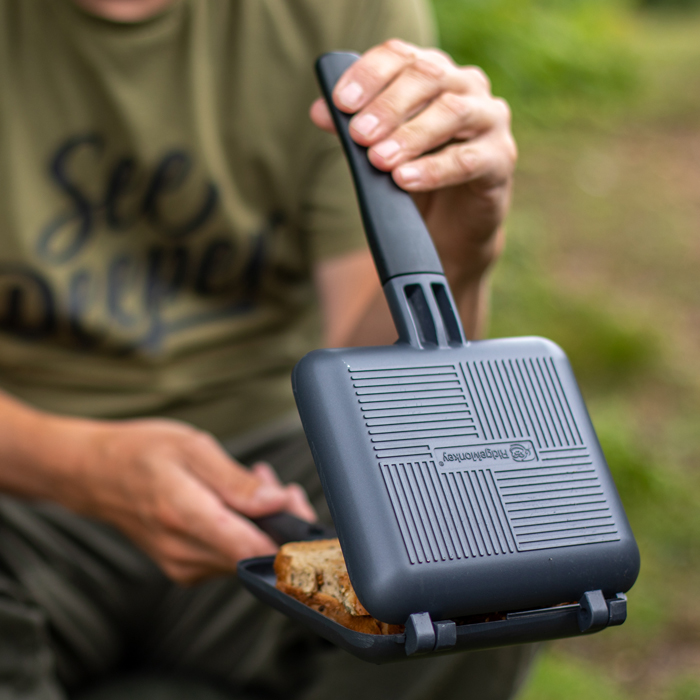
423	635
445	634
618	609
593	614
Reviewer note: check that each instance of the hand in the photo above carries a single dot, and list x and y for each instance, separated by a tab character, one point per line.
174	491
436	127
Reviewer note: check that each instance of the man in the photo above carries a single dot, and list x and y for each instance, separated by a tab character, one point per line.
168	214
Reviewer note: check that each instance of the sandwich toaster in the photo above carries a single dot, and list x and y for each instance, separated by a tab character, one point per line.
466	483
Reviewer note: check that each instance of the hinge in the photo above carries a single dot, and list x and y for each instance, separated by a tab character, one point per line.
595	613
423	635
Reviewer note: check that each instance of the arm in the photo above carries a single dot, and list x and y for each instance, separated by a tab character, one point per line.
169	487
436	127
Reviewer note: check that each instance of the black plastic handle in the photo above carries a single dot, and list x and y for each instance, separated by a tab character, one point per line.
398	238
285	527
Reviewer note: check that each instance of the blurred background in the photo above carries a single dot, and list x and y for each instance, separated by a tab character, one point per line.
603	257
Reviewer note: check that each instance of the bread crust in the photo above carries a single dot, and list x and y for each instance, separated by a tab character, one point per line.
315	574
330	607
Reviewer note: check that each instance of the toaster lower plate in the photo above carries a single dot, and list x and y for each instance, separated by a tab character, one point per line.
521	627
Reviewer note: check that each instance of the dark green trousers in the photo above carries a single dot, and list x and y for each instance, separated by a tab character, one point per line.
80	606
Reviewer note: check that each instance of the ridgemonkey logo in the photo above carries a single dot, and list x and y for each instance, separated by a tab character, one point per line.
499	453
521	453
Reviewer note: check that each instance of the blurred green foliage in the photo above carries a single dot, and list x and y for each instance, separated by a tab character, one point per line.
686	689
606	351
610	274
582	682
542	55
673	5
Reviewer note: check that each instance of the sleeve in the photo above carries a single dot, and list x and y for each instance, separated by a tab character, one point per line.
332	218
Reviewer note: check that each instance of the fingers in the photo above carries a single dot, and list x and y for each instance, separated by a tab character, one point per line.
369	75
298	503
411	90
197	535
418	85
187	562
175	492
321	116
253	492
237	486
266	474
450	117
409	102
480	162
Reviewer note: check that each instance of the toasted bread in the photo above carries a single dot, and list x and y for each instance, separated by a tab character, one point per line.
315	574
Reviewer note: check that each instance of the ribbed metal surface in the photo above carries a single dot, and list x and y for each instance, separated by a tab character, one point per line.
556	505
404	409
447	516
513	475
521	398
482	520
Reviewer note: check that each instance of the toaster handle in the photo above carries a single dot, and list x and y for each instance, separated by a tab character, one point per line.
408	264
399	240
285	527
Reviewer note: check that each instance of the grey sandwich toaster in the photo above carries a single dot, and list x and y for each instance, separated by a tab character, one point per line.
469	492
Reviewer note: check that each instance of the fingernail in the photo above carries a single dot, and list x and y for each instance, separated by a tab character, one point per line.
365	124
351	95
387	149
267	494
409	175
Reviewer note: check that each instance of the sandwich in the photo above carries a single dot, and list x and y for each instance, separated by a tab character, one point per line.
315	574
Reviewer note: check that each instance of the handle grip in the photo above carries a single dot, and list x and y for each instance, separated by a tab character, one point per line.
285	527
398	238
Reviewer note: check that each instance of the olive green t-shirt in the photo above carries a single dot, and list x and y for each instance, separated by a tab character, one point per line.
164	198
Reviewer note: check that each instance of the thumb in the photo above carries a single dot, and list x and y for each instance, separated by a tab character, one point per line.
321	116
235	485
246	493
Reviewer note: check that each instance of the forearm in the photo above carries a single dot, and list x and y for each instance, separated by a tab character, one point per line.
472	303
39	452
169	487
468	275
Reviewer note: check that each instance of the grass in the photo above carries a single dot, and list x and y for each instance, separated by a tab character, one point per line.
604	258
581	681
